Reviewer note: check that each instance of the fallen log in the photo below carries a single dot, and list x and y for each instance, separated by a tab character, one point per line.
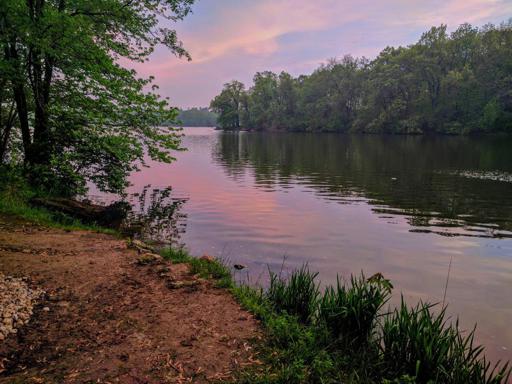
111	216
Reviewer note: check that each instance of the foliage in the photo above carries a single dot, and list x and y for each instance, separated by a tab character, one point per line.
230	105
456	83
71	112
197	117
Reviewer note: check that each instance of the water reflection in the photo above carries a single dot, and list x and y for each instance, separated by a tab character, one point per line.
448	186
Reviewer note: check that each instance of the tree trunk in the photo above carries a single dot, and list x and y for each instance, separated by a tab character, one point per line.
4	137
42	72
20	98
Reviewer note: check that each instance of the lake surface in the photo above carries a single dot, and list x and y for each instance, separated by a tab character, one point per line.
407	207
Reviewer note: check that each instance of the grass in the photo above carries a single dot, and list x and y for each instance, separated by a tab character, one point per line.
208	269
298	296
343	335
423	344
15	195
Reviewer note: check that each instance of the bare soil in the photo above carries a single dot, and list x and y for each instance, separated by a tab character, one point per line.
107	319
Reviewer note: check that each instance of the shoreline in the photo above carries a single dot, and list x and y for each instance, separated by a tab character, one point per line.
112	313
122	312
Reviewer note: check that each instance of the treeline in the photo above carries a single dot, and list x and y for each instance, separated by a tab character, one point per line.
197	117
456	83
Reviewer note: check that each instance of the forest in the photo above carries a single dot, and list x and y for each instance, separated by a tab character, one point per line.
446	83
197	117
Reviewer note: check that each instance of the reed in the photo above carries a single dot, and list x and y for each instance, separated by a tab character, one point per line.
349	312
423	344
343	335
298	295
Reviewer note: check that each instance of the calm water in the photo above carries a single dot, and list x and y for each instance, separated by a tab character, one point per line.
402	206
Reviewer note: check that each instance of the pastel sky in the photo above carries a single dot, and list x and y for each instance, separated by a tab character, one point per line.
233	39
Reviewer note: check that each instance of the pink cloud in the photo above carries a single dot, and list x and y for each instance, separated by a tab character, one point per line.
235	39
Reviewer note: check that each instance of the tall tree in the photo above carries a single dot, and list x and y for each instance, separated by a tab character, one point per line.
82	115
229	105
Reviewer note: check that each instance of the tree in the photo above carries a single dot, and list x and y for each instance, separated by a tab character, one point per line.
82	115
229	105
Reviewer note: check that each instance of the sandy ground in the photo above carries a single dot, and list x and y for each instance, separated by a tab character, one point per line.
106	319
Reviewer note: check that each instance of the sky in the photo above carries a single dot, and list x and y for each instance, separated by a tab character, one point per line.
234	39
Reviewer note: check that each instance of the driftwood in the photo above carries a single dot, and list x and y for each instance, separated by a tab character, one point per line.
110	216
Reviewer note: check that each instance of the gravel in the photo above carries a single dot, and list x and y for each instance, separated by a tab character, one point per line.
17	300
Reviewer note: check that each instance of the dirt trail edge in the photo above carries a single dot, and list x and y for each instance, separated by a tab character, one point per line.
106	319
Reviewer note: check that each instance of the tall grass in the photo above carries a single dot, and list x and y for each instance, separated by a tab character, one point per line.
345	335
421	343
350	312
297	295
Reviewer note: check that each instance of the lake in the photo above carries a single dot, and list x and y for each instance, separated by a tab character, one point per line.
405	206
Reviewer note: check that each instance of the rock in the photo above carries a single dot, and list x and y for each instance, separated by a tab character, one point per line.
182	284
239	266
148	258
46	309
208	258
141	246
16	302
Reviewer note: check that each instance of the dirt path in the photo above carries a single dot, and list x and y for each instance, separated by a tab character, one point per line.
106	319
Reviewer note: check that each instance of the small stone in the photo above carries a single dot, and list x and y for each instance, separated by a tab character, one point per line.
140	246
46	309
148	258
208	258
16	303
182	284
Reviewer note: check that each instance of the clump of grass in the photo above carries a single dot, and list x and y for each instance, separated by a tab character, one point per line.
349	313
420	343
176	255
297	295
215	269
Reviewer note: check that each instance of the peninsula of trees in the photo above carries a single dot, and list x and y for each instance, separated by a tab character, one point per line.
458	83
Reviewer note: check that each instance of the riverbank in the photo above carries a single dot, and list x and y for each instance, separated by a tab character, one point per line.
107	315
113	310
